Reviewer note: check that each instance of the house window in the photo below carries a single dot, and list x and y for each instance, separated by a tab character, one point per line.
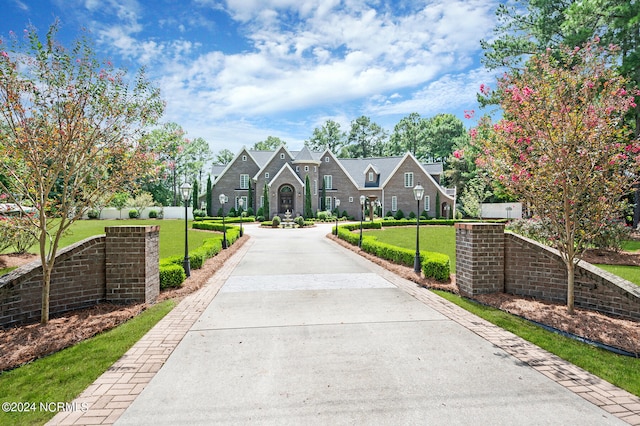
394	204
370	176
315	168
408	180
427	203
326	159
262	201
297	168
315	187
327	202
244	181
351	199
306	168
245	203
282	155
266	175
244	158
328	182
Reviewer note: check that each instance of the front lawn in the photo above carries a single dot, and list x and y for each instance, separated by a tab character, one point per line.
171	234
629	273
436	238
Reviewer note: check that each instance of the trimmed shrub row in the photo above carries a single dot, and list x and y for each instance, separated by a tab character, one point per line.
433	265
171	268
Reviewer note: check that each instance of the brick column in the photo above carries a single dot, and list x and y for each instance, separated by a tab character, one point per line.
479	258
132	263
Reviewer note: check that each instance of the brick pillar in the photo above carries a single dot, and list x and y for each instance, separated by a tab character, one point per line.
479	258
132	263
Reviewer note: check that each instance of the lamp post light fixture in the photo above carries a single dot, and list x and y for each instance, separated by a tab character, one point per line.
337	214
185	190
362	200
241	203
418	193
223	199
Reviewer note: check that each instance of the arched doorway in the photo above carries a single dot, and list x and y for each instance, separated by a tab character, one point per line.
286	195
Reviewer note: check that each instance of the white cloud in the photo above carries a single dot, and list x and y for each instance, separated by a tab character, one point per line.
21	5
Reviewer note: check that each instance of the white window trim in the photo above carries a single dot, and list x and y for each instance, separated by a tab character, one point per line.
315	187
328	183
244	181
262	201
427	203
394	203
326	159
306	168
328	202
351	199
244	158
266	175
370	176
408	180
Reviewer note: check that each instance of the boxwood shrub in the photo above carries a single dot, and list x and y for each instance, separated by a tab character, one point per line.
171	275
434	265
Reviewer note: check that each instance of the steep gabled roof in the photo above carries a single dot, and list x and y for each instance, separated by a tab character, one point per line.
284	168
342	167
228	165
411	157
356	167
306	156
272	155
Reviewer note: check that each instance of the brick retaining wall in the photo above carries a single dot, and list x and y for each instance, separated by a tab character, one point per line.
534	270
81	275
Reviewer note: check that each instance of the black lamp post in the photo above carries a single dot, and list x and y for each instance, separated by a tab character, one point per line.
241	203
337	214
418	193
185	189
362	200
223	199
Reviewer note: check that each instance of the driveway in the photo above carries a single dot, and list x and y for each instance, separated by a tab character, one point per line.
304	331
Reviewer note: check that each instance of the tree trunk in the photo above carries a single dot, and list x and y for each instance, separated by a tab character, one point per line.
46	287
571	267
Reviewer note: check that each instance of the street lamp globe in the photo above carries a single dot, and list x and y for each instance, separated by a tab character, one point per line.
185	190
418	192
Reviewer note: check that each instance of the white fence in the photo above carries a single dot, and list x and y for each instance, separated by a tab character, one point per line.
501	210
166	212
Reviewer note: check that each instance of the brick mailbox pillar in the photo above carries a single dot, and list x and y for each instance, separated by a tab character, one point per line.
479	258
132	263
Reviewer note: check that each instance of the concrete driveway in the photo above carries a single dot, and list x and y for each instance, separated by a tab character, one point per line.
306	332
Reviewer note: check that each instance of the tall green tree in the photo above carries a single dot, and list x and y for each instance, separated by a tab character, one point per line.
266	207
442	133
166	143
250	202
72	121
269	144
328	136
308	210
408	136
366	139
195	196
194	156
209	197
224	156
562	145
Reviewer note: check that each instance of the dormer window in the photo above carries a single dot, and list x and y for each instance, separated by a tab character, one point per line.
370	176
282	155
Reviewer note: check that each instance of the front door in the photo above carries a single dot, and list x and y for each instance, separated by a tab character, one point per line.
286	198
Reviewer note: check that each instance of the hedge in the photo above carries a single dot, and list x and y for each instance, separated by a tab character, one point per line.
169	266
434	265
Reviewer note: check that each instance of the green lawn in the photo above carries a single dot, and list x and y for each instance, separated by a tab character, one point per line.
171	234
631	245
629	273
440	239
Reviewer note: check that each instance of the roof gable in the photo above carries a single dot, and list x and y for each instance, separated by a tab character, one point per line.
243	151
286	169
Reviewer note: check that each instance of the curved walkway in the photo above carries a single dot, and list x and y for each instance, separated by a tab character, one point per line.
295	329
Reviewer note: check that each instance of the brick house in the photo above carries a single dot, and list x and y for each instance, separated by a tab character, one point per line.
387	182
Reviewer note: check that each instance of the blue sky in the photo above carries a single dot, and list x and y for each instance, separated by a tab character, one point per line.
237	71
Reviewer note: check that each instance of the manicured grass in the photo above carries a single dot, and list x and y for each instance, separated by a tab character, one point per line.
6	270
64	375
171	234
619	370
630	245
629	273
440	239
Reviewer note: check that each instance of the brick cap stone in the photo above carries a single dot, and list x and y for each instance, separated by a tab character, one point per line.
132	229
476	225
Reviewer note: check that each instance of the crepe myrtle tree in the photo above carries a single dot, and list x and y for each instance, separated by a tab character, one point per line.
73	123
562	145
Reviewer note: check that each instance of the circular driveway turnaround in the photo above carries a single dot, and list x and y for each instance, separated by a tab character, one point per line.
306	332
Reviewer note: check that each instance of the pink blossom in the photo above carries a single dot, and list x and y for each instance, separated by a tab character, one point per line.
4	54
473	133
469	113
458	153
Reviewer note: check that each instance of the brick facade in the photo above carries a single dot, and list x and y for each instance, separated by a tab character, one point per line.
80	276
350	178
533	270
